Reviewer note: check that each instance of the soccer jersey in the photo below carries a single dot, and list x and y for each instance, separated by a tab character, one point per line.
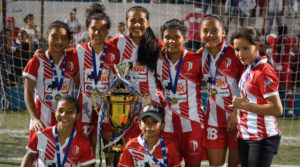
227	70
261	83
43	144
39	70
87	81
140	77
135	154
188	92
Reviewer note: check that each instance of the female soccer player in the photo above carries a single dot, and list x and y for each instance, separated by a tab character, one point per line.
60	145
179	71
150	148
140	49
96	59
258	102
222	71
48	77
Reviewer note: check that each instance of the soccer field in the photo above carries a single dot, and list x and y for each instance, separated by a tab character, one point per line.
13	145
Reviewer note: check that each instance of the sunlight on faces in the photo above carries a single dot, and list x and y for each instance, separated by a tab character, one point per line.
98	31
66	113
211	32
137	23
58	40
173	40
245	51
150	127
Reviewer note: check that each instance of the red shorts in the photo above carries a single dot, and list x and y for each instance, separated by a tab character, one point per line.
219	138
285	76
190	145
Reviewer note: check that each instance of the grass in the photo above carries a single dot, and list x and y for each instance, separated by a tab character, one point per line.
12	146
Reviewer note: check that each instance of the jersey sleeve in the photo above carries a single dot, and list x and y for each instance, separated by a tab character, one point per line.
31	69
32	144
126	159
268	82
187	16
86	154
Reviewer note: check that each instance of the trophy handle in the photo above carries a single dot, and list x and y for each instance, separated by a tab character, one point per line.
117	69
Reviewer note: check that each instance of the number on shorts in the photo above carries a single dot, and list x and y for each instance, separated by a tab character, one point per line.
212	133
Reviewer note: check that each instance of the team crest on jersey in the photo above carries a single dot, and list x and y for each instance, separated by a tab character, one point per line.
228	62
75	150
188	66
112	57
70	67
193	145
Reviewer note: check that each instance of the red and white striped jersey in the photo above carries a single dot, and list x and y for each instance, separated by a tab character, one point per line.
43	144
135	154
229	70
262	83
288	44
86	75
188	91
39	70
140	77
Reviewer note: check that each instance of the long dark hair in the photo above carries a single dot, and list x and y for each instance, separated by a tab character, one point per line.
148	50
251	34
96	11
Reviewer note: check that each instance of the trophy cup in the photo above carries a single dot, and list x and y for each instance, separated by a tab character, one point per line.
120	105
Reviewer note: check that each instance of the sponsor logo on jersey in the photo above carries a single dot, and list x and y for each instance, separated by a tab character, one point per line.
49	97
138	68
221	83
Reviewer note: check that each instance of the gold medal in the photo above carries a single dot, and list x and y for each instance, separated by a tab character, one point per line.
57	97
174	100
214	91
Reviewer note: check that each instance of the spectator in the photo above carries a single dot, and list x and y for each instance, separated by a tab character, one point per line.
210	3
194	18
239	9
10	24
281	46
122	29
31	29
272	9
74	25
24	51
7	53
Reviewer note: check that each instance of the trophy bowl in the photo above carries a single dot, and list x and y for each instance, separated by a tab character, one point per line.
120	105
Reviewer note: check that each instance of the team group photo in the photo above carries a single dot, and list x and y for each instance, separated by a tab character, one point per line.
150	83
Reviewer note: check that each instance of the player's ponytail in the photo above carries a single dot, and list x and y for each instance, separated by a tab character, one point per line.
96	11
148	50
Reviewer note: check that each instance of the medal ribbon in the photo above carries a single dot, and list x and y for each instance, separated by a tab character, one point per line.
214	77
163	149
242	83
174	87
57	83
67	150
97	77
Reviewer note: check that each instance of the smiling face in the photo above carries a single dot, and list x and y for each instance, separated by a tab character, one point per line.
212	33
97	31
150	127
58	40
137	23
66	113
174	41
245	51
